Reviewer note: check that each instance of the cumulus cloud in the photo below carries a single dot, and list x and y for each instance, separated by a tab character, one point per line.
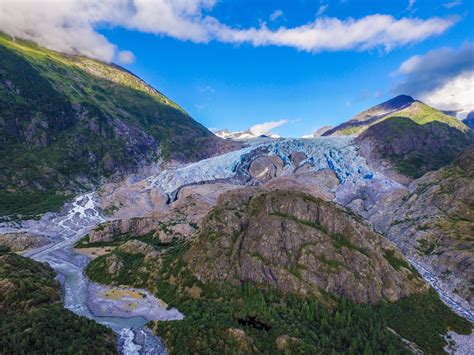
71	26
443	78
332	34
266	127
276	15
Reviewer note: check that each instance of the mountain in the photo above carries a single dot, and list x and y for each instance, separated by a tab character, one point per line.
400	106
299	243
280	271
469	120
66	122
32	317
240	135
319	132
410	148
433	222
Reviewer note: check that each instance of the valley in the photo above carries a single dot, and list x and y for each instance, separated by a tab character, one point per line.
141	232
151	228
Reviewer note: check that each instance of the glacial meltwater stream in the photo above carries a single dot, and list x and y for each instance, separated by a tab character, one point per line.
71	226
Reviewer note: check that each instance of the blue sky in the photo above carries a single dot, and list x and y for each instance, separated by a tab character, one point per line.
224	82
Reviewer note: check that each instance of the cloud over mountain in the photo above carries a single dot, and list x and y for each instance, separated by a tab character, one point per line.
266	127
71	26
443	77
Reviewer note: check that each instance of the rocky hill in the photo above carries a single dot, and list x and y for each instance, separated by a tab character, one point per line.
68	121
32	318
301	244
291	283
399	106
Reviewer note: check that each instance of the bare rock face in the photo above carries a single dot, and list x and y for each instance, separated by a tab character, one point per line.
138	247
266	168
433	222
284	341
300	244
106	232
318	184
297	157
114	264
195	201
22	241
129	199
244	342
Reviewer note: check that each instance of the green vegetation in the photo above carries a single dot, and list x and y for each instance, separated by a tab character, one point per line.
417	112
302	221
421	114
149	238
342	241
32	318
396	263
415	148
64	119
127	275
214	311
422	318
339	239
29	204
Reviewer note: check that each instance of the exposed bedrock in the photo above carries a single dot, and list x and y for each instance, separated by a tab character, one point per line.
301	244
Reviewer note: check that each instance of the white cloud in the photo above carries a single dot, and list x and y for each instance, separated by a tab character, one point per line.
455	94
410	4
126	57
266	127
275	15
322	9
451	4
443	78
332	34
71	26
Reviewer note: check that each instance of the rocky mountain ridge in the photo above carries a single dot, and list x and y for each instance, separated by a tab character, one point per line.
66	122
399	106
301	244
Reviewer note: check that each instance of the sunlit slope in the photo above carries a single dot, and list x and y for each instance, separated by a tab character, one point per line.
67	121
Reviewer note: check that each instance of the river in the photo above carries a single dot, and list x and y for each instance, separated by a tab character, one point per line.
76	222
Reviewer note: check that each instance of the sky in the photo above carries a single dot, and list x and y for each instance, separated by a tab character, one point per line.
289	66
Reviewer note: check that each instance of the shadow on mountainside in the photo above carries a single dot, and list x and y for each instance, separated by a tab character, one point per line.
413	149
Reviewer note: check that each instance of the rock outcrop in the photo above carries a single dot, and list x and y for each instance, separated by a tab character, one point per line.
21	241
266	168
300	244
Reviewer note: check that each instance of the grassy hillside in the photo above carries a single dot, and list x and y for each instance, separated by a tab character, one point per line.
32	318
417	111
67	121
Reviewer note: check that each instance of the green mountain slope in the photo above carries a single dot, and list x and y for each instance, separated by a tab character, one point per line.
66	121
32	318
400	106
